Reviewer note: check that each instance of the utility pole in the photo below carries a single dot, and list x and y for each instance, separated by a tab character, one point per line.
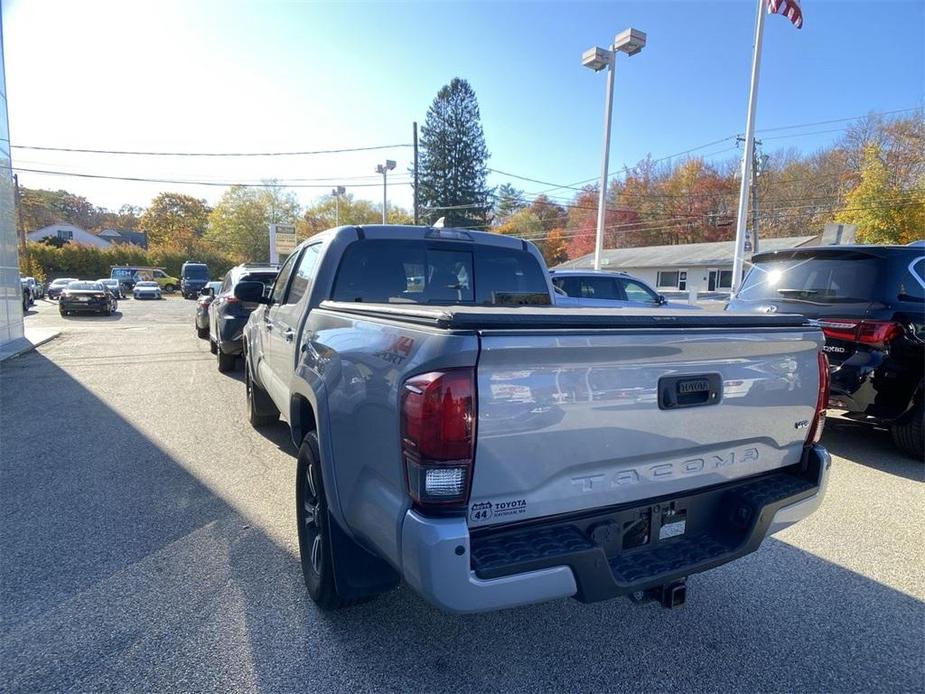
759	161
415	173
24	249
384	170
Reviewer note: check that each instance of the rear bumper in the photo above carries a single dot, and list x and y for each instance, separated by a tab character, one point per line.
231	333
583	557
88	306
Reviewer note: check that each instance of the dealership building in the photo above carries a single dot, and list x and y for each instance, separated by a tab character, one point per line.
11	324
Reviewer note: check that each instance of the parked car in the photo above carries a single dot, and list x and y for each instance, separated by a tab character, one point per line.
193	277
147	289
113	285
36	288
228	314
59	285
28	290
601	289
870	301
458	430
86	297
206	295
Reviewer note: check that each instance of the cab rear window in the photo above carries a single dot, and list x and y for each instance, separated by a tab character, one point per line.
420	272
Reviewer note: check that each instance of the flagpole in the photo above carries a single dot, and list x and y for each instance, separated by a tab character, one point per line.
749	152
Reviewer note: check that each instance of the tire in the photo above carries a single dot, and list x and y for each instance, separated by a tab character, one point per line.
213	347
261	410
226	362
314	529
170	288
202	333
909	436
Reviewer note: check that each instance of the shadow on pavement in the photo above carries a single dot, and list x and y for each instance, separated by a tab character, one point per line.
122	571
870	446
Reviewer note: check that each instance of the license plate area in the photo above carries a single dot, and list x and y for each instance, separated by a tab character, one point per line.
641	527
696	390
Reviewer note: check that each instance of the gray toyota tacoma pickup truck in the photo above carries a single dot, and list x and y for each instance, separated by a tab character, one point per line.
458	431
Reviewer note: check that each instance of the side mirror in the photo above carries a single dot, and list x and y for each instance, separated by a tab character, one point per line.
559	291
206	291
662	299
251	291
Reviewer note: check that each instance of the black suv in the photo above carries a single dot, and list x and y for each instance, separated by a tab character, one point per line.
870	301
228	314
193	277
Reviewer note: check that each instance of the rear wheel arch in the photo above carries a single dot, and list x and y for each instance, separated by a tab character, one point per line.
302	417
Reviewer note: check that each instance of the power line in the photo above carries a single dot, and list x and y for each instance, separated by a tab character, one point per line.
210	154
224	184
840	120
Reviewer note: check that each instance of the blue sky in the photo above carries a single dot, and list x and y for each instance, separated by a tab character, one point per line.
258	76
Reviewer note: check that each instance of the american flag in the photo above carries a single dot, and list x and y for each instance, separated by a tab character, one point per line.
789	8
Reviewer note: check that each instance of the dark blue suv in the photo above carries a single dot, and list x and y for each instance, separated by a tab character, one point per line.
870	301
228	314
193	277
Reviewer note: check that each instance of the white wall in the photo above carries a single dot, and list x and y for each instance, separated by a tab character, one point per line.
11	326
81	236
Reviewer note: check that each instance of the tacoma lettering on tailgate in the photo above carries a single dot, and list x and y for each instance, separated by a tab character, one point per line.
664	471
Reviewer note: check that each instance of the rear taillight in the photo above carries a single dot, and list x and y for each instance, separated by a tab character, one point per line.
438	436
875	333
822	401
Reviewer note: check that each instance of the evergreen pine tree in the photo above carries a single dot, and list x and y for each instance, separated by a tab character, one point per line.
452	180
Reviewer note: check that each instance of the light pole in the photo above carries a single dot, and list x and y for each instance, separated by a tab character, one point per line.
384	170
336	193
629	41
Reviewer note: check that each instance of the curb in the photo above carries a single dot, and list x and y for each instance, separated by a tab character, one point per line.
22	345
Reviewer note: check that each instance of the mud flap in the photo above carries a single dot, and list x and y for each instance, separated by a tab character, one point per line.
358	573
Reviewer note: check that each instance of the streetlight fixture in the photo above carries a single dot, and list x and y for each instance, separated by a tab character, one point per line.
629	41
384	170
336	193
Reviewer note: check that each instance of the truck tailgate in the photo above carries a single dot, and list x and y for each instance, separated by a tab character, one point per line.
593	418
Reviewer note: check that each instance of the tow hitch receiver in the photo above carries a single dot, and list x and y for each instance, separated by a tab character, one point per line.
670	595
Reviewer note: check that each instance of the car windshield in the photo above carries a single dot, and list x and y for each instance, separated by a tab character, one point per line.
85	286
62	282
196	272
822	280
147	284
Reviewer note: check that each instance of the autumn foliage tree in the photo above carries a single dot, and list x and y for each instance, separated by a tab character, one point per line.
175	221
883	211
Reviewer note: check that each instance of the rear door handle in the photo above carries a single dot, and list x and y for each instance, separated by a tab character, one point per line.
288	334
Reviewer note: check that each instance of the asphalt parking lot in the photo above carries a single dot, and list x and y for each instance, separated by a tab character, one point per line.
148	543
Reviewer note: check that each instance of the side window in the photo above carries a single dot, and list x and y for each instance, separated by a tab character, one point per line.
912	286
304	273
226	284
638	292
282	279
159	273
599	288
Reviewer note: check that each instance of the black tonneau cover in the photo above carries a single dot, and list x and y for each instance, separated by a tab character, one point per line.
553	318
